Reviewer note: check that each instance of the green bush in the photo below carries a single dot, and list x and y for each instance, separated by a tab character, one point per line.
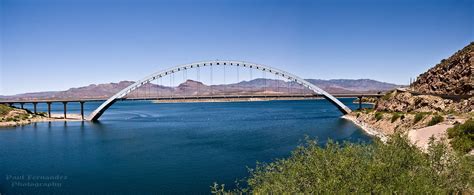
378	116
41	114
419	116
348	168
368	110
4	109
388	95
435	120
395	116
462	136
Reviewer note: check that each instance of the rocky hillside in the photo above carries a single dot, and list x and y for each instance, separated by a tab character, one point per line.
190	87
407	102
451	76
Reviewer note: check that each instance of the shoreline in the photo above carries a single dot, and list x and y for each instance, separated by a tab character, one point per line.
39	119
366	128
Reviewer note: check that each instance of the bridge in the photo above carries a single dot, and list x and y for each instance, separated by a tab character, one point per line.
49	102
306	89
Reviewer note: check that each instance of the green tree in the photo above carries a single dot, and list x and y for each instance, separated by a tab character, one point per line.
393	167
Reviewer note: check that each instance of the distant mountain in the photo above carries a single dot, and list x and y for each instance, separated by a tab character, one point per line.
190	87
451	76
358	85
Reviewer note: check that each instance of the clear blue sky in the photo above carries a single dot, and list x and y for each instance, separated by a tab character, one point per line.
54	45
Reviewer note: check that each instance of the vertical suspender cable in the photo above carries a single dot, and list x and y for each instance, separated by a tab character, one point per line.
198	79
225	84
212	92
238	79
171	86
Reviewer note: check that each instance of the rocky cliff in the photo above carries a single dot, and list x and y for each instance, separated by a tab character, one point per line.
407	102
451	76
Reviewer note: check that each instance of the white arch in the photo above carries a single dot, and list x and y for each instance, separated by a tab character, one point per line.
104	106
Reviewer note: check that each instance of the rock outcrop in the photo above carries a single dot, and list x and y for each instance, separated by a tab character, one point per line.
407	102
452	76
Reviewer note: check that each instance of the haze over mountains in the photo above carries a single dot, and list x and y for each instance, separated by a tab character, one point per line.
190	87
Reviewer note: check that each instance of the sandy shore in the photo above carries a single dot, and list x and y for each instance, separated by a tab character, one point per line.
367	129
54	117
421	137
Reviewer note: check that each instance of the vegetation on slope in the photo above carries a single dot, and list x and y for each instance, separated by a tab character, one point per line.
435	120
11	114
462	136
394	167
4	109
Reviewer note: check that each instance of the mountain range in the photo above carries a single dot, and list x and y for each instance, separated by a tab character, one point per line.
191	87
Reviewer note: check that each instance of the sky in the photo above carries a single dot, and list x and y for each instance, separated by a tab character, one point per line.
49	45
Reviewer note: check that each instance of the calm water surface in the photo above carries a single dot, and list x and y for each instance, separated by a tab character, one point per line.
142	147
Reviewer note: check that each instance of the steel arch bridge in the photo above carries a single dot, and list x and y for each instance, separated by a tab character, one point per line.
95	115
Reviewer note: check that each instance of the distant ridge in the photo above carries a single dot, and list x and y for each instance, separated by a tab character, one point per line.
190	87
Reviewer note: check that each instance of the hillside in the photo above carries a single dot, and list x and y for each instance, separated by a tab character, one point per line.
424	111
190	87
451	76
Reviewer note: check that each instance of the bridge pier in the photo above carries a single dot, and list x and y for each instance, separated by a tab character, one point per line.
360	102
34	107
64	103
82	110
21	105
49	109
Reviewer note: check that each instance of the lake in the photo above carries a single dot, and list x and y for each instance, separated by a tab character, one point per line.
143	147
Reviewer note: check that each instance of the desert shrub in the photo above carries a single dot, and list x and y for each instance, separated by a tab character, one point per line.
462	136
358	114
41	114
349	168
419	116
388	95
378	116
435	120
368	110
395	116
4	109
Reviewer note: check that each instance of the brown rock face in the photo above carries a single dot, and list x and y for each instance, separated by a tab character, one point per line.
451	76
406	102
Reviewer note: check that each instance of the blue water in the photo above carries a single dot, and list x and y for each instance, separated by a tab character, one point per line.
142	147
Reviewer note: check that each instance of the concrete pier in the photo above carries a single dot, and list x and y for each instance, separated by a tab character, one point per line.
65	103
82	110
34	107
49	109
360	102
